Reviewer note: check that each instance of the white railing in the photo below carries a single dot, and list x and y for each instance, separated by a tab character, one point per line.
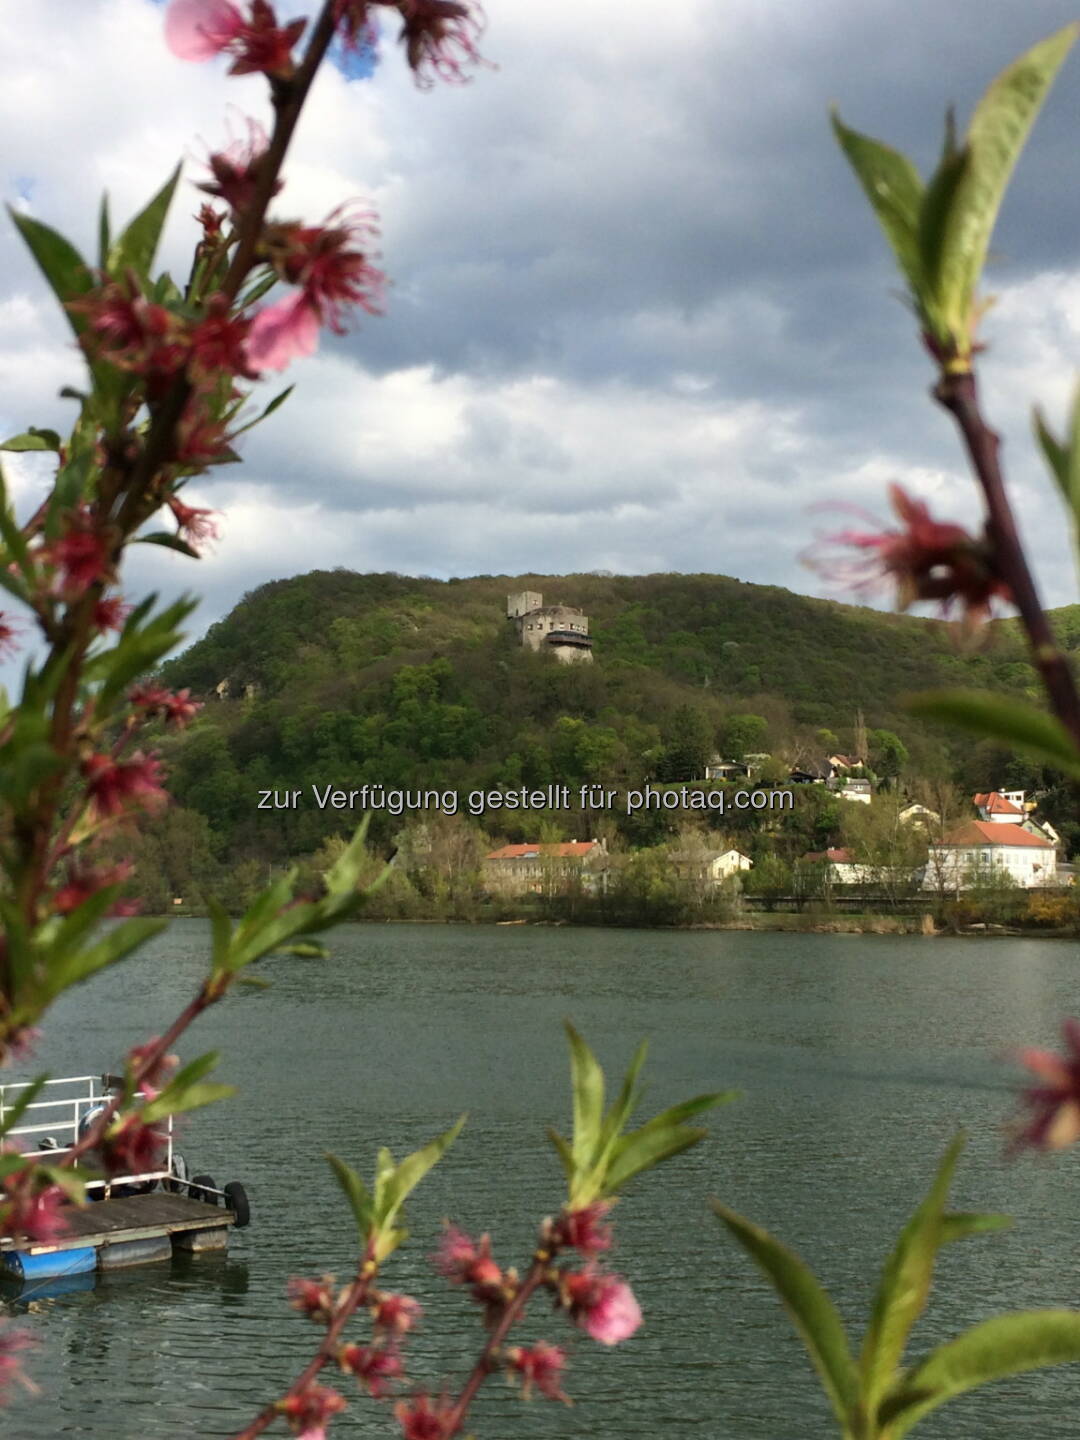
61	1118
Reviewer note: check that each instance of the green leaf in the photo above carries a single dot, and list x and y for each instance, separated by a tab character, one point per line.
72	969
136	247
999	127
1006	1345
812	1311
664	1136
169	541
1016	724
221	932
565	1153
33	439
70	1182
275	404
355	1192
406	1176
893	187
63	267
104	232
13	1113
193	1098
905	1285
1064	459
933	240
958	1225
587	1081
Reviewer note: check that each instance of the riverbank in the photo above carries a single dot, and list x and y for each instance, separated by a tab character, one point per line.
761	922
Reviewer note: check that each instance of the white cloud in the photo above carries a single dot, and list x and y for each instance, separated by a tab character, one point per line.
639	317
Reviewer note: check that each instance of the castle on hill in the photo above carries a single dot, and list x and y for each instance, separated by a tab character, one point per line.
561	629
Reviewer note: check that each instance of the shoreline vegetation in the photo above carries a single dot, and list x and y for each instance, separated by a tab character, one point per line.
954	922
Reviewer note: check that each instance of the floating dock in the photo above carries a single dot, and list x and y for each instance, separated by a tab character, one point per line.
130	1230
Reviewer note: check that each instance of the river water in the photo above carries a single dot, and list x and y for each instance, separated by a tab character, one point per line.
858	1056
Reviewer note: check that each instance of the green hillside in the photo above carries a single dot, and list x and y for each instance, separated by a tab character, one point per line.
336	677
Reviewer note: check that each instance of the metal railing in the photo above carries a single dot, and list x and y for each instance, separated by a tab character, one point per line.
62	1117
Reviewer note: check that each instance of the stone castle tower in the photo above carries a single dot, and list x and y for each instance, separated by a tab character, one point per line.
562	629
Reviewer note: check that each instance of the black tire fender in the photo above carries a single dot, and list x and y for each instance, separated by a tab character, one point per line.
197	1191
237	1201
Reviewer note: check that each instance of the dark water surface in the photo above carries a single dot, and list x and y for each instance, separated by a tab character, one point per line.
859	1056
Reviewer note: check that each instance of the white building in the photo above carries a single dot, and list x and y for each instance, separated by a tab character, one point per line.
843	868
728	863
981	849
916	814
860	791
1001	807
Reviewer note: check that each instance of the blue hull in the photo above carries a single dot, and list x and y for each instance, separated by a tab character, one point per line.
21	1266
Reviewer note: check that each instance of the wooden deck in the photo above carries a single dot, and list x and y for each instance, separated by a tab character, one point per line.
132	1217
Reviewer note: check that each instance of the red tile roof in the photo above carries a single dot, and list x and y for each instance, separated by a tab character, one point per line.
836	857
993	832
995	804
560	849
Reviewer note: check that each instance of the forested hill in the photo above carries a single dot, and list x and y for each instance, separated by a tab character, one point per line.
349	678
707	632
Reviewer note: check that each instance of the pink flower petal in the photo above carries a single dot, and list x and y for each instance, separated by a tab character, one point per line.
200	29
281	332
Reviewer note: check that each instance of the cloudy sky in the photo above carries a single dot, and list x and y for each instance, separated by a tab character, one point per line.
640	318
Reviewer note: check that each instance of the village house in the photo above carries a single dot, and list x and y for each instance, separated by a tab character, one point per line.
545	868
981	849
1011	807
861	791
921	815
710	867
842	867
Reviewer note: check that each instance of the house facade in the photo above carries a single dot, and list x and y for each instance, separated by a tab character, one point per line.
982	849
843	868
540	869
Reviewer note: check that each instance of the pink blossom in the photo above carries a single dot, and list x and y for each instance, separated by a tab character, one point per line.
153	700
131	1147
583	1229
11	1343
540	1365
36	1215
217	343
464	1261
927	559
111	612
330	262
312	1298
195	525
601	1304
201	29
440	39
282	332
112	784
421	1420
84	881
373	1365
8	632
158	1073
396	1314
81	555
1055	1102
234	172
308	1412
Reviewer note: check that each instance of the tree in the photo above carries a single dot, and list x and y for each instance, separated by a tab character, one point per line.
742	735
688	745
888	756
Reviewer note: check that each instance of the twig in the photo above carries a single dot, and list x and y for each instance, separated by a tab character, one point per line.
958	394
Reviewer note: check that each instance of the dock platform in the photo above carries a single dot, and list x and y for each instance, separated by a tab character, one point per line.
129	1230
